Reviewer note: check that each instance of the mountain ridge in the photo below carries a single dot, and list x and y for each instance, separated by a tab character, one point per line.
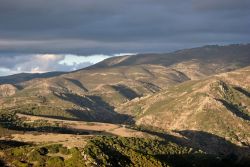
87	92
199	104
163	59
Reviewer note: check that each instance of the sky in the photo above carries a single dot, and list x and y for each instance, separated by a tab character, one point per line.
63	35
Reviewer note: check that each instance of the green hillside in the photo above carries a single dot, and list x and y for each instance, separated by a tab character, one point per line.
112	151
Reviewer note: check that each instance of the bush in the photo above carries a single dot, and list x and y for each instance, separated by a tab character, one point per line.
18	151
76	159
119	151
54	148
64	150
20	164
74	150
55	162
42	150
36	156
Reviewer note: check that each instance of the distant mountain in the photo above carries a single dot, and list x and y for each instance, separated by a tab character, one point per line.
236	54
22	77
205	60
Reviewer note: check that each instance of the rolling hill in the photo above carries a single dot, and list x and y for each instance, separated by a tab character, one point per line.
22	77
218	105
190	107
94	93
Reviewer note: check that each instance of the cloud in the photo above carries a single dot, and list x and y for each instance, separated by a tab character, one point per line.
91	59
29	63
111	26
213	5
5	71
73	59
40	63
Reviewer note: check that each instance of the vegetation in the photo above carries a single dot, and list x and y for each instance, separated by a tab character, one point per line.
113	151
118	151
54	155
55	162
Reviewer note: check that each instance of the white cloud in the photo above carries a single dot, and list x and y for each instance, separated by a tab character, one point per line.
74	59
39	63
124	54
4	71
49	57
92	59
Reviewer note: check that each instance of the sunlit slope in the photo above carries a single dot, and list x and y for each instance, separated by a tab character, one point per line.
89	94
204	60
219	105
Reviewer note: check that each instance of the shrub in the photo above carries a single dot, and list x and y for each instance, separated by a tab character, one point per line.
42	150
76	160
36	156
55	162
54	148
119	151
64	150
18	151
20	164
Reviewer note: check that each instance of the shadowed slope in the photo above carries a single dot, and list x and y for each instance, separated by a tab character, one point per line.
22	77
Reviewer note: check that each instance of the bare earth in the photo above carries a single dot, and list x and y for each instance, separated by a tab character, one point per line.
74	140
65	139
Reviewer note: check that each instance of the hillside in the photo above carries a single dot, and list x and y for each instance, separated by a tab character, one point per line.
7	90
111	151
89	93
216	105
208	59
187	108
22	77
86	94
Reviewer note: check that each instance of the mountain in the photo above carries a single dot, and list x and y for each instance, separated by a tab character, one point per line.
214	57
94	93
86	94
218	105
207	60
186	108
22	77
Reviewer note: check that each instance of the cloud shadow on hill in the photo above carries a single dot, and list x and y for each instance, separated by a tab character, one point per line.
77	83
98	109
126	91
243	91
231	154
235	109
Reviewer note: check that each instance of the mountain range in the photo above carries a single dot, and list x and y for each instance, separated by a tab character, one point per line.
204	89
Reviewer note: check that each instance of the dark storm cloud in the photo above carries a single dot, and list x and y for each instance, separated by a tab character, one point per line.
222	5
86	27
94	26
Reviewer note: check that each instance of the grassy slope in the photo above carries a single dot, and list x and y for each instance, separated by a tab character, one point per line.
111	151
